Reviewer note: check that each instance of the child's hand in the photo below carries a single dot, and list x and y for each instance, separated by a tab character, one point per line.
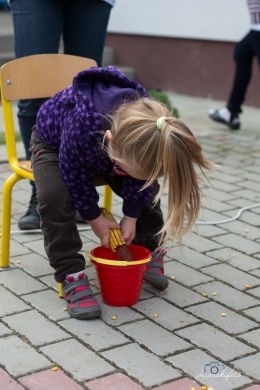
101	227
128	227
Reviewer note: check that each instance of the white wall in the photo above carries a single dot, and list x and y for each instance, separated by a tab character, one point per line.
223	20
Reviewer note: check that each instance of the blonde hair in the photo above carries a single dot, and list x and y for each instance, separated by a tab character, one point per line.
171	152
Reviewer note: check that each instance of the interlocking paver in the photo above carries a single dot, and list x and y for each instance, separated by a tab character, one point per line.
217	342
156	339
165	314
237	242
254	312
79	361
19	282
9	303
181	384
48	303
51	380
222	317
95	333
19	358
8	383
237	259
184	274
45	331
199	243
178	294
232	276
207	370
33	264
142	365
255	292
122	314
189	257
4	330
114	382
250	365
17	249
227	295
252	337
208	230
242	228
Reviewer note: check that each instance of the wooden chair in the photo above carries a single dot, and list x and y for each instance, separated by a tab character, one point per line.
37	76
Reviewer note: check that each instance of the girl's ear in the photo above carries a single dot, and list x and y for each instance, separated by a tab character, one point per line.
109	135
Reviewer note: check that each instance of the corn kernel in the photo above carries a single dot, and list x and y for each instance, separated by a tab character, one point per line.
114	318
55	369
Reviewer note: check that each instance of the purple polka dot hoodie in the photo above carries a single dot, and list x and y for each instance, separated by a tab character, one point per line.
73	123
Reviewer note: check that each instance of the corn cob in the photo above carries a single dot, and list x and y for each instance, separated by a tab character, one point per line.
117	244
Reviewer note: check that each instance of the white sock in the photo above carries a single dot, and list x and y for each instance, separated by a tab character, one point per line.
225	113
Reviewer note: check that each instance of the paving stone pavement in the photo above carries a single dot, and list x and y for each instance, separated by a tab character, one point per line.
203	330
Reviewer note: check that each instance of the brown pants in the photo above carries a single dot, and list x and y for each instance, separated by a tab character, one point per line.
61	238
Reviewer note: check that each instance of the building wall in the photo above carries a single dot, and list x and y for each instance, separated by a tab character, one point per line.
221	20
196	60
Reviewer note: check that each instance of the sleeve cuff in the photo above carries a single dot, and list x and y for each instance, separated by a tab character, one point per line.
132	210
92	212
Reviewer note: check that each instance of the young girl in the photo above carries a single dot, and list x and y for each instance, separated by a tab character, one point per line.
105	124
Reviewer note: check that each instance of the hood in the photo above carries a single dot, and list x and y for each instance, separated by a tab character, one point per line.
106	88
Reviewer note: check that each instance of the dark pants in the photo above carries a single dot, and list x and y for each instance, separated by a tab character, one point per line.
61	238
245	51
38	27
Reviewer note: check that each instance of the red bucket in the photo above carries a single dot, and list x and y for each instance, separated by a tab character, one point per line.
120	281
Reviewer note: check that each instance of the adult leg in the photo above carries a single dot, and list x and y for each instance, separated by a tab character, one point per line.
37	29
243	56
256	44
61	238
85	27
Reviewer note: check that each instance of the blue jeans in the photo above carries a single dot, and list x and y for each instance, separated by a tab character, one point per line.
38	27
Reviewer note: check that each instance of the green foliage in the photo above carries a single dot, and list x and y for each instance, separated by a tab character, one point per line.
164	98
2	138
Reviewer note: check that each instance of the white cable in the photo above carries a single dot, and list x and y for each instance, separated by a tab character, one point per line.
221	221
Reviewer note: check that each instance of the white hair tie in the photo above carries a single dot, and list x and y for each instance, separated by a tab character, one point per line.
160	122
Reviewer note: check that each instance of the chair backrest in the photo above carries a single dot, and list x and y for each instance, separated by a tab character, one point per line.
40	75
36	76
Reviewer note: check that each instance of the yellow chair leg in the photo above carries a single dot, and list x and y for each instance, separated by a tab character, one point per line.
107	198
6	219
59	287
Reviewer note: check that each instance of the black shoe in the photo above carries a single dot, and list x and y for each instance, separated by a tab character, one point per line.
224	116
31	219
